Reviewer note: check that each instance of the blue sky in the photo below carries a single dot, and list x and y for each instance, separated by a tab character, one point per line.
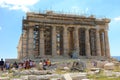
12	12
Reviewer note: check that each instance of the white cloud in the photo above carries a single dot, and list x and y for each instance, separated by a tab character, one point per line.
86	10
0	28
117	18
18	4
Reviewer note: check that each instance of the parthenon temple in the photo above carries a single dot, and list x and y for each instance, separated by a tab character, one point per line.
53	34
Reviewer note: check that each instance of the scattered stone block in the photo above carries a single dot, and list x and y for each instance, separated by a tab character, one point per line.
32	77
78	76
24	77
16	79
67	77
4	78
109	66
66	68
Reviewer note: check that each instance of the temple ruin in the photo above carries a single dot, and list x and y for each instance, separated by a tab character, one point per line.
53	34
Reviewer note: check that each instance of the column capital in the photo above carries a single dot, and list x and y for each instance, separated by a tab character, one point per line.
106	27
64	26
97	30
97	27
79	26
76	28
86	28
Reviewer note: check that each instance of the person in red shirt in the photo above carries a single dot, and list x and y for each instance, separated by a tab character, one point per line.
48	62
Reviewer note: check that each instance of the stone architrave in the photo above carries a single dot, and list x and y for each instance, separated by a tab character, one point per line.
30	42
41	43
65	41
54	51
98	48
87	43
107	49
76	41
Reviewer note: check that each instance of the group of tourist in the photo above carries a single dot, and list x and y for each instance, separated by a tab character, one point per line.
43	64
26	64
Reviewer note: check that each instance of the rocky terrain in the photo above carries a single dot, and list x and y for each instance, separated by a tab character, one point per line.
86	69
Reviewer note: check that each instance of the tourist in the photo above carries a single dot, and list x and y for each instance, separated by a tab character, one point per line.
27	64
15	65
40	65
95	64
7	65
48	62
20	66
1	64
44	64
31	63
34	64
24	64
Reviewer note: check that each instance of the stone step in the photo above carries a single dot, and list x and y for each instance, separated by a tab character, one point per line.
67	76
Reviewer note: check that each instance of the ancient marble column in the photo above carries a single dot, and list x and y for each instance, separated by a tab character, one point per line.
102	44
41	43
65	41
19	48
107	48
76	40
54	49
24	44
87	43
98	47
30	42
